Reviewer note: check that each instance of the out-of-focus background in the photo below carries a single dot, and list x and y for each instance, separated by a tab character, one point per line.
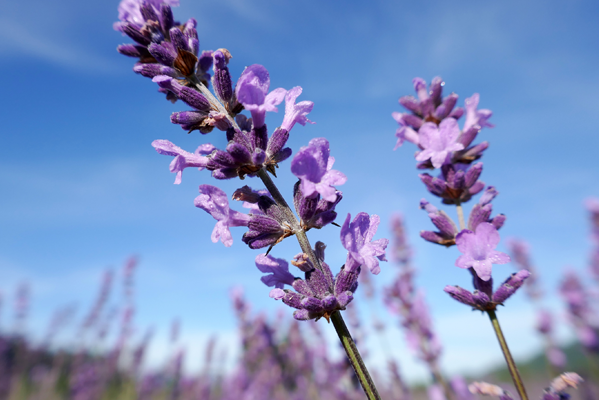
82	189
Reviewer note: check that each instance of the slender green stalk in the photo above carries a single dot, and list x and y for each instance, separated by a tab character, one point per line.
460	211
354	357
346	340
508	356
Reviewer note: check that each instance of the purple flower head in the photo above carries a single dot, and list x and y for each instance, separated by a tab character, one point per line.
214	201
404	132
129	10
278	269
456	182
478	250
481	212
296	112
268	227
312	165
510	286
183	159
252	91
447	228
314	212
438	142
319	294
357	236
474	116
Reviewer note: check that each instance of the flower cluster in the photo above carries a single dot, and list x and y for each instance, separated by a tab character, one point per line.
484	298
431	123
320	294
168	53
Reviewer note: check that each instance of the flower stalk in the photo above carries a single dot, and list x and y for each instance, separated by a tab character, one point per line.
354	357
508	356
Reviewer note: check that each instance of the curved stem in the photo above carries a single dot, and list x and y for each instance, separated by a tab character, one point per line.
508	356
354	357
348	343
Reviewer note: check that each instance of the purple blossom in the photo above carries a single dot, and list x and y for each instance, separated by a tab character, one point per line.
296	112
183	159
319	294
312	164
447	228
278	269
214	202
438	141
474	116
357	236
129	10
252	91
478	250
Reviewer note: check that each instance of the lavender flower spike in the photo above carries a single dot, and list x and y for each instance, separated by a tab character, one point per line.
214	201
312	164
438	142
183	159
251	90
296	112
278	268
510	286
478	250
357	236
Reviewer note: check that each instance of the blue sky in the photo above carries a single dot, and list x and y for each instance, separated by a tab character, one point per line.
82	189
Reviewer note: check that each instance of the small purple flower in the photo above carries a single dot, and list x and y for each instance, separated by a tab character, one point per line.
357	236
129	10
447	228
296	112
214	201
319	294
478	250
252	91
312	164
438	141
474	116
183	159
278	269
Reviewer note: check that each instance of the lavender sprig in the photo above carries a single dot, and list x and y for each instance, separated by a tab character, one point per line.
432	124
169	54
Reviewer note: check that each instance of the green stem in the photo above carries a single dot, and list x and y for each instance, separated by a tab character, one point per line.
508	356
460	211
354	357
346	340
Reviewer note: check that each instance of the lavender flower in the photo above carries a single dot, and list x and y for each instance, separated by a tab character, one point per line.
483	299
314	212
457	183
474	116
478	250
313	165
296	112
278	269
267	227
438	142
252	92
214	202
183	159
447	228
319	294
357	236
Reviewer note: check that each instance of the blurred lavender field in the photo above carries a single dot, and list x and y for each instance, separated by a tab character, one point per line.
279	358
